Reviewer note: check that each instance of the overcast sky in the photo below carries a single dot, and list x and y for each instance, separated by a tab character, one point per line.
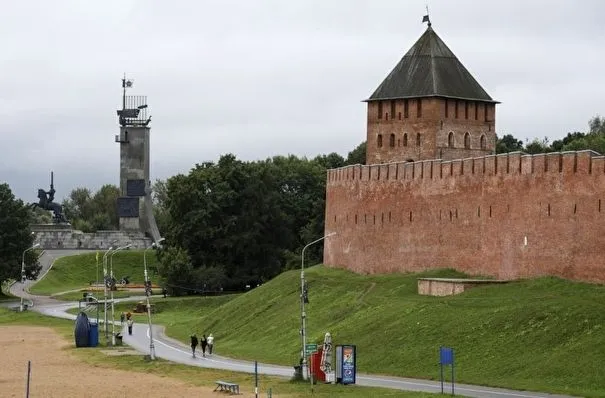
259	78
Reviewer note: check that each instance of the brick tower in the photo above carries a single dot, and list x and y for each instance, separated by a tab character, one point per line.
429	107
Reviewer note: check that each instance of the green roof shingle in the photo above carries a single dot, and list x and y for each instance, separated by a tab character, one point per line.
430	69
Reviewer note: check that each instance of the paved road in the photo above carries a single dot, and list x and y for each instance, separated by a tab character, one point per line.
172	350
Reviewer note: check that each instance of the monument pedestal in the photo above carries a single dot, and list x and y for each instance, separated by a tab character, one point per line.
63	236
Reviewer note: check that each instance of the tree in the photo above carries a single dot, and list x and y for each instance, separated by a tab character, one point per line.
160	211
90	213
508	143
357	155
15	237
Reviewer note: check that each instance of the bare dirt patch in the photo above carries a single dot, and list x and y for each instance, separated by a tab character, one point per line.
57	373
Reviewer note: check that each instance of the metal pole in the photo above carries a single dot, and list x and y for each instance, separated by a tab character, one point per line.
151	346
105	325
303	315
256	379
29	372
113	324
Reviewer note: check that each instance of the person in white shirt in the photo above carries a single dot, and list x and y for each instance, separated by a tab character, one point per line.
210	343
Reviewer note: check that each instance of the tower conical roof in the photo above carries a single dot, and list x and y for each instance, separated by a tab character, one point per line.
430	69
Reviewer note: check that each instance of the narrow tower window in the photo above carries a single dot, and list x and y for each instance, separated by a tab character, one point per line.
379	141
456	109
467	141
466	109
419	107
406	109
392	140
483	142
476	110
418	139
379	109
405	139
393	109
447	110
450	140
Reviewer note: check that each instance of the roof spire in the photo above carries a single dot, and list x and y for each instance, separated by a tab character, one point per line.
426	17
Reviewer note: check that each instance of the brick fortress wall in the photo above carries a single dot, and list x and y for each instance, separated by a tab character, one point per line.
509	216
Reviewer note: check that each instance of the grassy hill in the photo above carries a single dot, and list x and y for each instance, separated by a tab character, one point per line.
544	334
78	271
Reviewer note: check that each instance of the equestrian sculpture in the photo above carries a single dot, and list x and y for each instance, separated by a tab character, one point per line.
45	202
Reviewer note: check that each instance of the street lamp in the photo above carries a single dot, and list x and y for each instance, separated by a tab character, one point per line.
23	272
113	319
303	315
147	294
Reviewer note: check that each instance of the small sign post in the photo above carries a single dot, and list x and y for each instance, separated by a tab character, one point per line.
310	349
446	357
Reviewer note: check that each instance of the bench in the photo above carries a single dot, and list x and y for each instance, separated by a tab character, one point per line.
231	388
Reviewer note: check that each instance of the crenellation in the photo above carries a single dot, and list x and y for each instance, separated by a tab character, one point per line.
597	165
468	166
540	164
554	161
418	170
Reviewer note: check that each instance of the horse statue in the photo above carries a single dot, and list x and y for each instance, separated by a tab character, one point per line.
45	202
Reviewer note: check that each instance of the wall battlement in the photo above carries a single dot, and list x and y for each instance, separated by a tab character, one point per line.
509	216
515	163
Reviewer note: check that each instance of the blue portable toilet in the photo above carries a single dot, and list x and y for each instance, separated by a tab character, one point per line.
93	334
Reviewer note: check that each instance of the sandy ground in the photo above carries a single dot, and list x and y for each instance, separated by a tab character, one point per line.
56	373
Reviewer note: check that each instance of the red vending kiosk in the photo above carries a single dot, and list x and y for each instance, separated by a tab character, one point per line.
314	366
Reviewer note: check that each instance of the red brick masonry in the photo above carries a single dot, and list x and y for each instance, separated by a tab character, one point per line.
509	216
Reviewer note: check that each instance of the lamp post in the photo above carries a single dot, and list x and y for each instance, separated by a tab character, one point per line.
113	319
106	326
303	315
23	272
147	294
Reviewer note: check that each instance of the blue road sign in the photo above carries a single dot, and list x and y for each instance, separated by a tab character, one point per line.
446	356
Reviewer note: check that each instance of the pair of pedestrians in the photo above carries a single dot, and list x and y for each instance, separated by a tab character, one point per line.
205	342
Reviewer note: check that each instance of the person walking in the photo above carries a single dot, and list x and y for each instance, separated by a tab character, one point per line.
194	343
122	318
130	324
204	343
210	343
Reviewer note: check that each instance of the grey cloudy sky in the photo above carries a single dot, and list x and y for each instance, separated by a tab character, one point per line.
259	78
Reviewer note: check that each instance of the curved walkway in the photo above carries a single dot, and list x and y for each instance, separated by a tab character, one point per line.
175	351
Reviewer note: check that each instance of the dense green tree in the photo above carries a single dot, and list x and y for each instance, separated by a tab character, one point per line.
15	237
90	213
160	211
357	155
508	143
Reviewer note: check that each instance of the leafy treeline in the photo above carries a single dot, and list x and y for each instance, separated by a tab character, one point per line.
594	139
16	237
233	223
90	212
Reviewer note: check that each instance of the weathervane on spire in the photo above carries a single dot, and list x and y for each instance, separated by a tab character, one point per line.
426	17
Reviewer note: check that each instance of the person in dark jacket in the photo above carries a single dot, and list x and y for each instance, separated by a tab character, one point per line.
204	343
194	343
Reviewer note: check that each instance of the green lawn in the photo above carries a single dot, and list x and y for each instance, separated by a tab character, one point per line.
194	375
75	272
545	334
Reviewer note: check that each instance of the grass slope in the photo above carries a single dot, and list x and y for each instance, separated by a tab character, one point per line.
194	375
78	271
544	334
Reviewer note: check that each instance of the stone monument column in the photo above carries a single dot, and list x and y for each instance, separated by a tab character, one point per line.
135	209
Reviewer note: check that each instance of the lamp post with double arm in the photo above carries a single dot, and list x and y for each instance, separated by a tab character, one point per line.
147	294
113	319
303	298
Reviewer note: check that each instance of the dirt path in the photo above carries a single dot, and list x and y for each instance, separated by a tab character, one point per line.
56	373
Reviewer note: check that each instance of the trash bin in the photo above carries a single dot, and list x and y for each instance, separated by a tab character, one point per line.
118	339
93	335
298	374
